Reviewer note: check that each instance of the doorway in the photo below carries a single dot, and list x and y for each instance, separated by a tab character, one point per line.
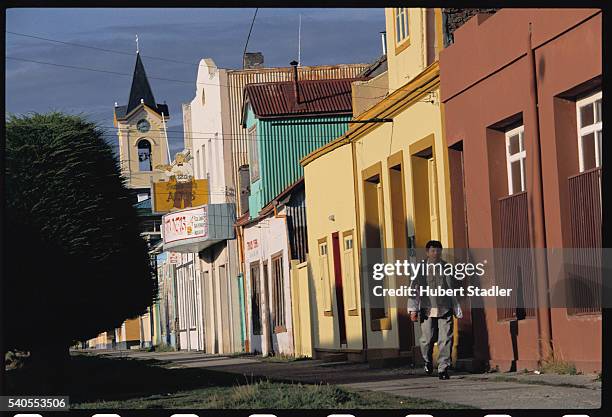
225	309
460	242
375	241
425	186
339	288
400	245
268	323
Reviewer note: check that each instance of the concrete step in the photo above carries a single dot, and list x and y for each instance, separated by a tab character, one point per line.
332	356
465	364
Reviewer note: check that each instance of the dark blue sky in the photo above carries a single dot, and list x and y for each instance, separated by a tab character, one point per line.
329	36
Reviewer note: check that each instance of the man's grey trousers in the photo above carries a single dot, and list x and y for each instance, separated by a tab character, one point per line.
444	326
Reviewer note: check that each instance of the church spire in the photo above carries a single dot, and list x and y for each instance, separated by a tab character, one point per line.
141	89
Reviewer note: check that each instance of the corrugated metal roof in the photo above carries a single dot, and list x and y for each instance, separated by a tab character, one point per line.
317	97
237	79
297	185
376	68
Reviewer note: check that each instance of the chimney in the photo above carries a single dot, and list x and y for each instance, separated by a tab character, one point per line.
383	37
296	88
252	60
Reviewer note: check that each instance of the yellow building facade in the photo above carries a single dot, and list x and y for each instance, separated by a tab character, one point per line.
381	185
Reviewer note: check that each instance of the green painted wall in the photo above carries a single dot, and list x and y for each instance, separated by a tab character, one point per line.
282	147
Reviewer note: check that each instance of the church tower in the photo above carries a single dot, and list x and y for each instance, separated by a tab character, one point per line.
142	138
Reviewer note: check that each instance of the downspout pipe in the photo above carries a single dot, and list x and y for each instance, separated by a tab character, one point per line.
364	329
538	222
242	269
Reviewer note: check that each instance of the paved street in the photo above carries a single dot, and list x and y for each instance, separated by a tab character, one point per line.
488	391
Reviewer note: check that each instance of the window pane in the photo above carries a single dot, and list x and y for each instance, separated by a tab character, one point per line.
253	154
598	111
513	144
348	243
598	139
407	27
588	151
586	115
398	28
515	179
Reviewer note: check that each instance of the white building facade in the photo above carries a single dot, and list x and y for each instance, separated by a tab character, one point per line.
209	285
266	258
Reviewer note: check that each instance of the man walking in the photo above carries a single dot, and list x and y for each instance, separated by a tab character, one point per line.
434	312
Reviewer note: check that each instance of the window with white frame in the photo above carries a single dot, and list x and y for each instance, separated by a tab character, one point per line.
515	159
590	124
401	25
253	153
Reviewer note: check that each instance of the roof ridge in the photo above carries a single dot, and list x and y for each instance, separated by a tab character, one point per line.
302	67
310	80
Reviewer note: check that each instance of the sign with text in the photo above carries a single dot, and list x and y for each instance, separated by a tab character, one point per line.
174	258
173	195
181	190
185	224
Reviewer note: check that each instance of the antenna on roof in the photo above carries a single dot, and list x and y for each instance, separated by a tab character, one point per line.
300	42
137	48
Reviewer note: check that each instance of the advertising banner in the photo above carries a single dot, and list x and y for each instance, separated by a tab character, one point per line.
185	224
181	190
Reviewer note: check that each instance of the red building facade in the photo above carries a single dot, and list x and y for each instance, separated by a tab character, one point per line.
521	91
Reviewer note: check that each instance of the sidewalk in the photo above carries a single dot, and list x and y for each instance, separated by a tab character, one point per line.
487	391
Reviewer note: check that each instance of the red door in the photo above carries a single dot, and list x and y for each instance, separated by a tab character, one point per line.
339	292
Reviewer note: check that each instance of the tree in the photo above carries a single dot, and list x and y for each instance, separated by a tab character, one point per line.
75	264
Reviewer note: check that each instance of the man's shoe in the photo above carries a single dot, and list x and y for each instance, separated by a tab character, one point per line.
443	375
428	369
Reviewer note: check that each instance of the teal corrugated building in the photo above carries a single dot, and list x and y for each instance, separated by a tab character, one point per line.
276	143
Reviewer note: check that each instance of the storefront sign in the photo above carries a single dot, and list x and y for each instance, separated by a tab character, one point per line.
180	190
174	258
185	224
252	244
